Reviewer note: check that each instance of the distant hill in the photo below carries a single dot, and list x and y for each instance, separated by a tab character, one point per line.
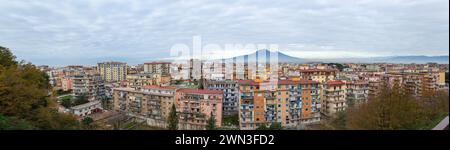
281	57
392	59
414	59
420	59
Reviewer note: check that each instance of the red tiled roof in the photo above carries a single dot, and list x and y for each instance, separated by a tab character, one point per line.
159	87
200	91
361	82
157	62
279	82
317	70
335	82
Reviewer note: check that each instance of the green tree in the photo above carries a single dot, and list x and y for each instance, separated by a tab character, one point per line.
67	102
81	99
7	123
231	120
172	120
211	122
394	108
262	127
337	65
25	97
275	126
337	122
87	122
7	59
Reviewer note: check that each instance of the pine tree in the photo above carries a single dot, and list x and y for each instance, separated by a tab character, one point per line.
211	122
173	119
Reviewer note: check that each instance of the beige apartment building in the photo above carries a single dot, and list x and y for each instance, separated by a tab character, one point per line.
138	81
112	71
334	97
357	92
162	68
152	103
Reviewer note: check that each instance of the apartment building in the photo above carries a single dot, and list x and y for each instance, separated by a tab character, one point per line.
140	80
195	107
152	103
416	83
90	85
230	94
319	75
87	109
374	88
441	79
66	83
357	92
291	103
112	71
162	68
334	97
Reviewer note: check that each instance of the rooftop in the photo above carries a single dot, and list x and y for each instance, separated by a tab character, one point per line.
160	87
278	82
200	91
85	105
335	82
157	62
317	70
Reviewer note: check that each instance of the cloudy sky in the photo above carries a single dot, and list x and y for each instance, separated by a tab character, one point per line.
62	32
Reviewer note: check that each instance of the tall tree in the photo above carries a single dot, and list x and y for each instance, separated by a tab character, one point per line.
262	127
211	122
275	126
395	108
172	120
7	59
81	99
87	122
24	96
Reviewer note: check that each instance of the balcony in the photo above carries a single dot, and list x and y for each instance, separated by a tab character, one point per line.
247	97
270	96
295	89
247	115
246	107
318	106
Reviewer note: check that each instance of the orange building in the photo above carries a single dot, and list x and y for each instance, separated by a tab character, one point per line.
291	103
196	106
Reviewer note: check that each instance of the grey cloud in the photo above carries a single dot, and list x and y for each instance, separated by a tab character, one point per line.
64	32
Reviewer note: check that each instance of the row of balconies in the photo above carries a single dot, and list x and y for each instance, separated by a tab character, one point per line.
247	97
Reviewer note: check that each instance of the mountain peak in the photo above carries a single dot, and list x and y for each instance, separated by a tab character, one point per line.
281	57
